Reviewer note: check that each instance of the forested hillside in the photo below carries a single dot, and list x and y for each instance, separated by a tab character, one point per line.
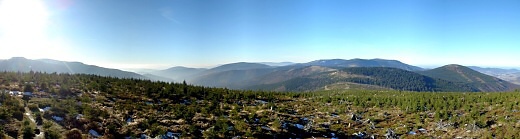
465	75
363	63
391	78
67	106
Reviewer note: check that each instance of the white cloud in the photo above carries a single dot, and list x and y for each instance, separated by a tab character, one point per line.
167	13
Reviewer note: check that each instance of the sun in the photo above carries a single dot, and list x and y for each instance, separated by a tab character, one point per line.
24	28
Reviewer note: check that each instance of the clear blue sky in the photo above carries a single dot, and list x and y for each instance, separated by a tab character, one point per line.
162	33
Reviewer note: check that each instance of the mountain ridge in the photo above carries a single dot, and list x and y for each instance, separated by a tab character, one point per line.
241	75
357	62
22	64
251	66
383	77
312	75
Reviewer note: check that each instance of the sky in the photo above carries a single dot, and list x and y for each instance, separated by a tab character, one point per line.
131	34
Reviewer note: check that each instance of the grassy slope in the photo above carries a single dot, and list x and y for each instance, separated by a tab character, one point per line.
199	112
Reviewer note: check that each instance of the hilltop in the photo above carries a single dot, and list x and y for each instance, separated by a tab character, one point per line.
462	74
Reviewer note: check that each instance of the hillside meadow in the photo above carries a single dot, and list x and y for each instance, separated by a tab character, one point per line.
89	106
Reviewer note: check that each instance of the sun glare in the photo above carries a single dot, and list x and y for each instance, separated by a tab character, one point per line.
23	30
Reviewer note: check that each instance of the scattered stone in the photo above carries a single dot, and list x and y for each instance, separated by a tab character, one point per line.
171	135
360	134
422	130
79	116
57	118
390	134
356	117
266	128
299	126
94	133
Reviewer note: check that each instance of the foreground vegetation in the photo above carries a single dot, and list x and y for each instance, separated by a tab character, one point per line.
104	107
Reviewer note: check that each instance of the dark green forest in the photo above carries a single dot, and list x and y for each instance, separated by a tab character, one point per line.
391	78
405	80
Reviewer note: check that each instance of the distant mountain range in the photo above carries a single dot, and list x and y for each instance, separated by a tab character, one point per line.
511	75
277	64
363	63
195	75
448	78
50	66
494	71
338	73
329	74
176	73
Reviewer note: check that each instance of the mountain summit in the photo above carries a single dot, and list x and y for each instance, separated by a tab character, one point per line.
458	73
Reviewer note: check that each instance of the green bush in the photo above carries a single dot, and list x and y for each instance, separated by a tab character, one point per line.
28	132
33	108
